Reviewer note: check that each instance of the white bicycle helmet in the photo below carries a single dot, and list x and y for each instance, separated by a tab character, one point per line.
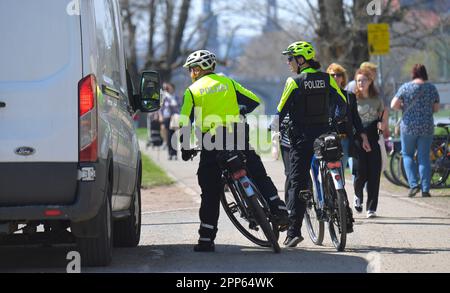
203	58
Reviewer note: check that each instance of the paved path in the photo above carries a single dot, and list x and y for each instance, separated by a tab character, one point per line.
408	236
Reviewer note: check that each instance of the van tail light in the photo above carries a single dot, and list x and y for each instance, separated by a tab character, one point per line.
87	93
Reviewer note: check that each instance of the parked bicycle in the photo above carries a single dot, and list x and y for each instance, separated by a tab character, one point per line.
440	161
243	203
326	200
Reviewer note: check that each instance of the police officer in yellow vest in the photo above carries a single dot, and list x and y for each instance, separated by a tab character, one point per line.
311	99
215	103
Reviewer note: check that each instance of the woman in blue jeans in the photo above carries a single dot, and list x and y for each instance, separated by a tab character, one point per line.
418	100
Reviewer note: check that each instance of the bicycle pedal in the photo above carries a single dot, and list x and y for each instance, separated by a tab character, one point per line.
253	226
306	195
322	216
283	227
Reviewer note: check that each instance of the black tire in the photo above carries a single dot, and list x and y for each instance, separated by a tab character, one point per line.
234	207
127	232
263	221
98	251
398	170
388	175
338	222
315	227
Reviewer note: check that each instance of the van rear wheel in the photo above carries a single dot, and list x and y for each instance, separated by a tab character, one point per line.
97	251
127	232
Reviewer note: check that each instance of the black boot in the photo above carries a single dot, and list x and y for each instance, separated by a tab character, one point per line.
204	246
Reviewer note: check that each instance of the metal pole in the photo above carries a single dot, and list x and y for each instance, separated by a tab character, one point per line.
380	77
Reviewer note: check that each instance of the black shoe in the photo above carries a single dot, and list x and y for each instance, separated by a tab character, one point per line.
292	241
414	191
426	194
204	247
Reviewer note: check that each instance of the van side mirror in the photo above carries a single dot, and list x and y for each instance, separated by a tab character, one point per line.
149	99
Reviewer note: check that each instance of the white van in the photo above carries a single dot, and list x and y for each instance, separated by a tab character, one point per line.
69	155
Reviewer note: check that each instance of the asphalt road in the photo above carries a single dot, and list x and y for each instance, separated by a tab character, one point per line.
408	236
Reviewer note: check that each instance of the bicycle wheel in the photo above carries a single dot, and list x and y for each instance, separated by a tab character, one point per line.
315	227
337	224
237	211
397	169
264	222
388	175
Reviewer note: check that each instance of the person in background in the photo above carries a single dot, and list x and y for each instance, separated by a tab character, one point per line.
280	133
371	67
353	124
418	99
154	129
170	106
367	165
136	120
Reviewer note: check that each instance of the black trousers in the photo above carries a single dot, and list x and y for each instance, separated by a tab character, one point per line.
209	179
300	156
367	169
287	168
171	145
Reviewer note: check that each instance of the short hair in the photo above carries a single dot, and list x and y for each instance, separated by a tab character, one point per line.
337	68
419	71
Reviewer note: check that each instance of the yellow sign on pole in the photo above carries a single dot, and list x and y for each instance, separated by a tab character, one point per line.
378	38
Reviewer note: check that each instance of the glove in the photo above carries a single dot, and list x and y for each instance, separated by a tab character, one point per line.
186	155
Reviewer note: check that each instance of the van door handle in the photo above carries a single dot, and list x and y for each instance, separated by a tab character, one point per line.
2	104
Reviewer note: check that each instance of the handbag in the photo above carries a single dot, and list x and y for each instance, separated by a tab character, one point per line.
384	157
174	122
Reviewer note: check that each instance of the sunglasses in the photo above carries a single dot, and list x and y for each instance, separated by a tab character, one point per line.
290	58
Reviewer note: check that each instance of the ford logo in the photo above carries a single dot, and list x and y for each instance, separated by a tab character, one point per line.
25	151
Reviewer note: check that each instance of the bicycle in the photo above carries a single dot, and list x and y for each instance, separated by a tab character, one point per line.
244	204
440	161
326	198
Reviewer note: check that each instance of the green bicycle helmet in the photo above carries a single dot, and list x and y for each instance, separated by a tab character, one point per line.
304	49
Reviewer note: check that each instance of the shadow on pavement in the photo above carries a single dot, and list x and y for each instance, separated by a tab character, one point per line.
34	258
181	258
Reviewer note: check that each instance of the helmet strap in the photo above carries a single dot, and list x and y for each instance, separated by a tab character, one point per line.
300	65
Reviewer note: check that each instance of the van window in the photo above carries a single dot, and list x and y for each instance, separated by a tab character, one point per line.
109	44
38	40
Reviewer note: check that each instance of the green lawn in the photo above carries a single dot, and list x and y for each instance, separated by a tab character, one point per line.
142	133
152	175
